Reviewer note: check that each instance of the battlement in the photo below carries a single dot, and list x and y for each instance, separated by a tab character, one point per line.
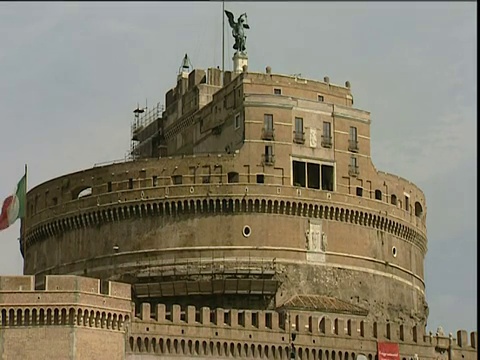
302	323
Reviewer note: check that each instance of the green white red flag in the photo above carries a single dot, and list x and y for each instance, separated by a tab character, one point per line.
13	207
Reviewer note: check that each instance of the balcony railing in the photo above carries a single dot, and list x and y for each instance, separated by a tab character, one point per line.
268	159
299	137
268	134
353	145
353	170
326	141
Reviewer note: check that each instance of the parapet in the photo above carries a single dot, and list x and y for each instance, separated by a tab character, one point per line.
65	283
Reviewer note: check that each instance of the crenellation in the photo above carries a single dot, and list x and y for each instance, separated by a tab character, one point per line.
339	327
160	313
205	315
190	315
145	312
474	339
462	338
176	313
219	317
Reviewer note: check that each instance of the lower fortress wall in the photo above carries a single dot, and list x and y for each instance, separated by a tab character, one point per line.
83	318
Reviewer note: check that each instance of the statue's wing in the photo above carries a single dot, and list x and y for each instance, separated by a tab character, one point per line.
231	20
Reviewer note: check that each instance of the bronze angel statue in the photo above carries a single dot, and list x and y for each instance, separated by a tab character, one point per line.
237	30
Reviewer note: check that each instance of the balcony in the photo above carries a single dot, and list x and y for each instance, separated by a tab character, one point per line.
353	145
299	137
353	170
268	134
326	141
268	159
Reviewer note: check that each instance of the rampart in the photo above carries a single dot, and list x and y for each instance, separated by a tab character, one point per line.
268	334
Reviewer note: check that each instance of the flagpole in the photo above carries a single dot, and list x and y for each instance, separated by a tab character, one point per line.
22	225
223	40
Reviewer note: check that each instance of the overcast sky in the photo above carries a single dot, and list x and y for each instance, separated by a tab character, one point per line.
71	74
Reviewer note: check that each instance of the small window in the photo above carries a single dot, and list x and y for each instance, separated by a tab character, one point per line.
277	91
260	179
327	135
268	156
359	191
320	98
154	180
378	195
109	186
177	179
393	199
232	177
407	202
54	201
237	121
130	183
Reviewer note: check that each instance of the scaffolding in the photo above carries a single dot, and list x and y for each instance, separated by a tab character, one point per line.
142	118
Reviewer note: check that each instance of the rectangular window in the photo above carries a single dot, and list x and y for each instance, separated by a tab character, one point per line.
299	135
327	177
267	127
237	121
320	98
206	175
268	122
359	191
407	205
353	167
260	179
353	139
268	155
130	183
299	124
109	186
177	179
313	175
327	134
277	91
299	173
154	180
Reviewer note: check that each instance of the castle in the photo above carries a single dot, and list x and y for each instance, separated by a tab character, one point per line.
249	222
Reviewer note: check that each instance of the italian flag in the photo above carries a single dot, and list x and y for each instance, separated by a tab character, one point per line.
13	206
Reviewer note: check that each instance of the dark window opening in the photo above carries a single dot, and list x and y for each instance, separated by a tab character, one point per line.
327	177
260	179
299	173
130	183
394	199
378	195
407	207
226	318
353	167
418	209
55	200
255	319
237	121
268	320
313	174
268	156
109	186
277	91
155	180
320	98
232	177
177	179
359	191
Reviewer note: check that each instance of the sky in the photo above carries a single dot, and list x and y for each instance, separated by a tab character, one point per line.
72	73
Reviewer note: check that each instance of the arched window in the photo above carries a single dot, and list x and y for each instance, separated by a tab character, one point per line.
394	199
378	195
418	209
